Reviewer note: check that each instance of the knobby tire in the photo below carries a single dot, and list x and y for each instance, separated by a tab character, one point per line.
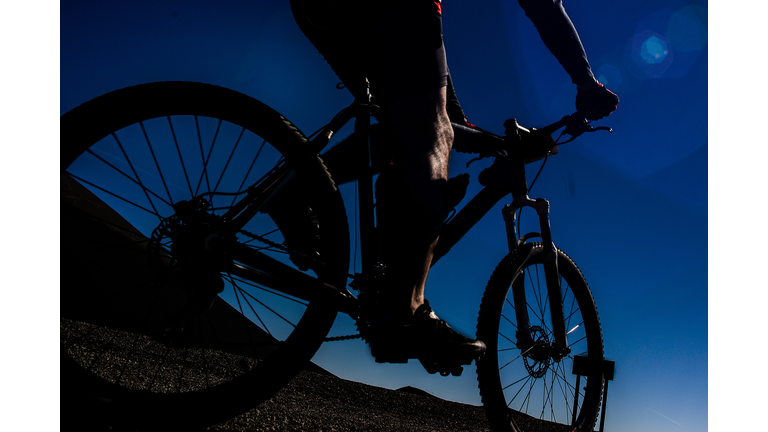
523	394
111	293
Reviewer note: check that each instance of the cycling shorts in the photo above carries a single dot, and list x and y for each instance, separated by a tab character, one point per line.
396	44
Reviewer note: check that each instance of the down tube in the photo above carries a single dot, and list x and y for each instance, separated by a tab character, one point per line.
454	230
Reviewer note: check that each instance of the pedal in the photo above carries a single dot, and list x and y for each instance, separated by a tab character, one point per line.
444	369
387	353
395	360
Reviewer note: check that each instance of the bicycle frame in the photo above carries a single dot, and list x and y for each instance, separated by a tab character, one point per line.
505	176
512	181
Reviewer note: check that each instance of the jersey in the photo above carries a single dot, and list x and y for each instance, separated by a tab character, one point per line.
396	46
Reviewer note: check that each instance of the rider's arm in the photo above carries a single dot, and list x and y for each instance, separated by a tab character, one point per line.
557	32
560	36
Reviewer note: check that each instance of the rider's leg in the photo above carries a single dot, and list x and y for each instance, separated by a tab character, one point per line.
418	208
411	208
412	74
398	47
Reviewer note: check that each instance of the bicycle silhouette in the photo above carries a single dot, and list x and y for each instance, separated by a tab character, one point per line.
186	204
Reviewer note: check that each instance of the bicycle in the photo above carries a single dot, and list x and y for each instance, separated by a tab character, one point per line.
187	204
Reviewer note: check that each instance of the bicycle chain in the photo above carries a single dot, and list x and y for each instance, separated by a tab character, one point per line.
307	259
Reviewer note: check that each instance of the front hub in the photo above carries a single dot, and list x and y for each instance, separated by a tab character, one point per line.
537	358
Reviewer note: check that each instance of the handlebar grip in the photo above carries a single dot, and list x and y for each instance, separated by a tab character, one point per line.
476	141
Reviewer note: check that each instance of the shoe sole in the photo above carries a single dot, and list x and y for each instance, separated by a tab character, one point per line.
443	365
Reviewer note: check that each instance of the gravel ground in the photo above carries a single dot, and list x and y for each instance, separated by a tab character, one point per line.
312	401
315	402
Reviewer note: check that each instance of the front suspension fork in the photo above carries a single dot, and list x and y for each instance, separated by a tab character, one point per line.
551	272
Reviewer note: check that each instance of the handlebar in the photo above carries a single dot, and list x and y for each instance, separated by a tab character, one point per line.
532	144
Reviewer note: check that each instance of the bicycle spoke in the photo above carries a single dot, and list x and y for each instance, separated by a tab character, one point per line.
178	151
206	159
268	248
121	172
154	158
203	160
544	298
527	400
263	235
509	321
567	395
135	174
272	292
572	314
238	291
536	289
526	378
248	173
511	361
246	293
229	159
152	212
506	300
577	341
544	396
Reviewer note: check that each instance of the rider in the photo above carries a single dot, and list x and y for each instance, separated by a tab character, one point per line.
395	49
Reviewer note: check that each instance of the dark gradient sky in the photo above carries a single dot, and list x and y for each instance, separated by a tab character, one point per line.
630	207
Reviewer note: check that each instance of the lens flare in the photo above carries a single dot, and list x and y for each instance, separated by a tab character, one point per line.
654	50
651	54
667	43
686	30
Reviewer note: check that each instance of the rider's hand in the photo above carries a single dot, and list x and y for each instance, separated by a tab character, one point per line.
594	101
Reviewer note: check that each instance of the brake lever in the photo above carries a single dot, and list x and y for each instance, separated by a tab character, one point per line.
576	125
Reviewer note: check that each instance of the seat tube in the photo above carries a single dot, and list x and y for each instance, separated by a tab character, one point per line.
369	251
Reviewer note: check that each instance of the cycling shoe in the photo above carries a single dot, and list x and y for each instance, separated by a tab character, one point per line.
425	337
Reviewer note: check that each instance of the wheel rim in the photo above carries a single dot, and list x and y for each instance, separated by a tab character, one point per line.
142	171
532	380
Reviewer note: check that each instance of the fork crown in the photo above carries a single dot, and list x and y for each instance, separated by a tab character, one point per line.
509	213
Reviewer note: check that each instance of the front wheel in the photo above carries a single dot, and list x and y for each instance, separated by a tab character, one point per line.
523	383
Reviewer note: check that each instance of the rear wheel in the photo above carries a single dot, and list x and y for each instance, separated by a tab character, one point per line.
163	314
524	385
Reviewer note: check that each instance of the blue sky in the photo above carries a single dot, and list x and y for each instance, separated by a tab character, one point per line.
636	222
